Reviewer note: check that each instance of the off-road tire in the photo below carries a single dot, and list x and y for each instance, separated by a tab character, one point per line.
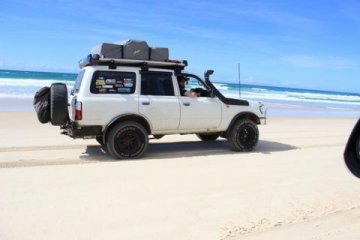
208	137
59	113
243	136
127	140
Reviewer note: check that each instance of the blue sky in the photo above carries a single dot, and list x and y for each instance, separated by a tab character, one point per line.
303	44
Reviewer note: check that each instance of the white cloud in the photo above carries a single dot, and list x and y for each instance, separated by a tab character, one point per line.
307	61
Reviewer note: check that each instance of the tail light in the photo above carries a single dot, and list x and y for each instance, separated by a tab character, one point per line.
78	110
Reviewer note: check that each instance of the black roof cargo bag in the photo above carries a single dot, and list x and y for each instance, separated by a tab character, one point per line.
159	54
130	49
137	50
108	50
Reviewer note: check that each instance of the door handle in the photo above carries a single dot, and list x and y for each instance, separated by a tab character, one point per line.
186	104
145	103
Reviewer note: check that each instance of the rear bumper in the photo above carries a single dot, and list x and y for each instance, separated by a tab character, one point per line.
75	131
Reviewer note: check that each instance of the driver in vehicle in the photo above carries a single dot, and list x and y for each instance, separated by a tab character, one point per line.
182	84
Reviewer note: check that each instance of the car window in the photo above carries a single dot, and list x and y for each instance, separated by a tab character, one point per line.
197	86
78	82
193	83
113	82
157	83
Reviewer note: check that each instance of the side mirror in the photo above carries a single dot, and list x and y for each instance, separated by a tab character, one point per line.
352	151
212	93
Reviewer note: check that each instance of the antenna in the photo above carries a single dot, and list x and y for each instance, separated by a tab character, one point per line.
239	79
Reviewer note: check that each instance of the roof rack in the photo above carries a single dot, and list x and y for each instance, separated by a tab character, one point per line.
112	63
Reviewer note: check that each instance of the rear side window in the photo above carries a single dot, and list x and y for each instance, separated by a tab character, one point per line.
157	83
78	81
113	82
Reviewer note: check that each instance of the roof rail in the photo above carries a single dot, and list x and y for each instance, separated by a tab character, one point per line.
112	63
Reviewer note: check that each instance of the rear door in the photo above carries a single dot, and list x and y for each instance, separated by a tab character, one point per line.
157	100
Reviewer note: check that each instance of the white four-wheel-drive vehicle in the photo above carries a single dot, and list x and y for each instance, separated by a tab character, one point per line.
121	101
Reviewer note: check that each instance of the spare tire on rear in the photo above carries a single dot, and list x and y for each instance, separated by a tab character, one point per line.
59	113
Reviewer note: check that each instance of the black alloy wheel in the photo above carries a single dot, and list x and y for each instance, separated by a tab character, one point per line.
127	140
243	136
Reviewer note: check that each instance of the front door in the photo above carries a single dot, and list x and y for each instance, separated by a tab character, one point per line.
199	113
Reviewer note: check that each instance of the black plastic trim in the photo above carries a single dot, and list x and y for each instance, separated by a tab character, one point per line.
75	131
91	60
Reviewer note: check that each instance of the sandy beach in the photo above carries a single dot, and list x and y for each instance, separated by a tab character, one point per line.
294	185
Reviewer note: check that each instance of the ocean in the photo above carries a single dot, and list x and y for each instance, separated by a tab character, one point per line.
20	87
